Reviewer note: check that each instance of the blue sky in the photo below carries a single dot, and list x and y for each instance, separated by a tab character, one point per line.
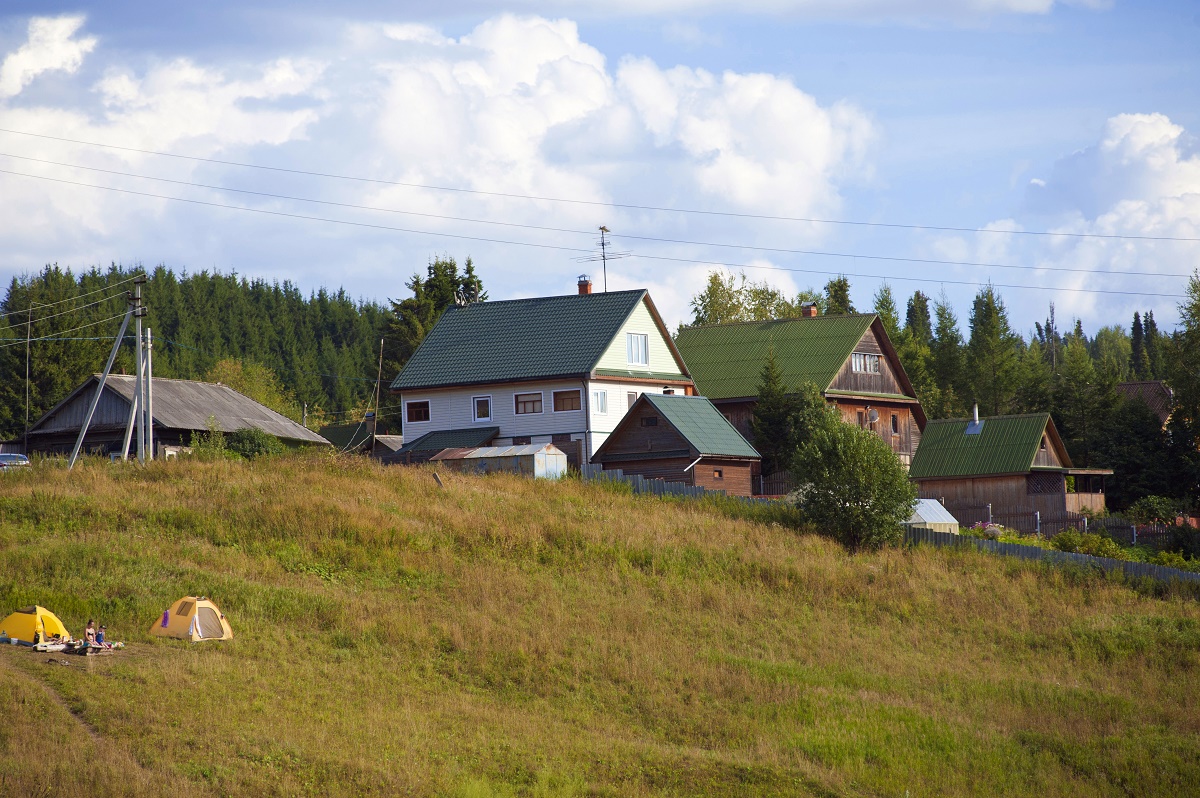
1023	115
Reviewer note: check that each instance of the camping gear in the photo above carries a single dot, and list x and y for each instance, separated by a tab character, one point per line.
193	618
34	624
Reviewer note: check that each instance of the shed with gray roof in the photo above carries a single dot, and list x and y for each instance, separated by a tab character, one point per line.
181	408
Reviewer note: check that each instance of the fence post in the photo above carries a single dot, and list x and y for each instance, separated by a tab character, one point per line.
1037	517
1134	528
989	513
1085	525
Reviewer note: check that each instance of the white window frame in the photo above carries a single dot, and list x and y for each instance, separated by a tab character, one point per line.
600	401
630	337
408	402
630	398
475	408
541	394
860	363
553	394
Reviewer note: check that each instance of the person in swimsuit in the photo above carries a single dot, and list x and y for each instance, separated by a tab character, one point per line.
89	634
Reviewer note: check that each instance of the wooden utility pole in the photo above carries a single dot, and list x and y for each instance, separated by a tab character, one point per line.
378	379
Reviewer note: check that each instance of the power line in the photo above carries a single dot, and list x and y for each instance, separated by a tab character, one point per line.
21	341
776	250
600	203
63	312
572	249
73	298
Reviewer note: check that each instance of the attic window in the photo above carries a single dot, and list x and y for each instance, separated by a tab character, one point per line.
638	349
650	421
1043	447
862	363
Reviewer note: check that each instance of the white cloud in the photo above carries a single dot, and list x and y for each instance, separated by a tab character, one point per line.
863	10
51	46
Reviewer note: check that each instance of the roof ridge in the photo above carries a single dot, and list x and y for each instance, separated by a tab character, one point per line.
777	321
490	302
1039	414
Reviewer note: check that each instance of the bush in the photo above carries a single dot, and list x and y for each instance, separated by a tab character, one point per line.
1153	510
251	443
1072	540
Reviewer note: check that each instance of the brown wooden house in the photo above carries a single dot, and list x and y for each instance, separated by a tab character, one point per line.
680	439
1016	465
849	358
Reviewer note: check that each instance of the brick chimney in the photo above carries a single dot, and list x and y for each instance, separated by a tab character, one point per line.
585	284
809	310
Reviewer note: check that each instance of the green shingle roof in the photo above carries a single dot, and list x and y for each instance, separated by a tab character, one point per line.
726	360
702	425
518	339
1005	445
450	439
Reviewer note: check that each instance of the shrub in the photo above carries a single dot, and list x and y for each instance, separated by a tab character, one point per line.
251	443
1072	540
1153	510
210	444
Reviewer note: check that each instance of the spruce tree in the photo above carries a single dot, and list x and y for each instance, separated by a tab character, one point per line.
917	321
772	422
947	362
1154	347
992	354
1139	362
837	296
885	308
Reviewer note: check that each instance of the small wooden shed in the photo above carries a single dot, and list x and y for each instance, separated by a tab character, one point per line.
680	439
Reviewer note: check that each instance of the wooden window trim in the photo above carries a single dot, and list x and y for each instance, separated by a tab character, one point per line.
566	391
541	402
408	408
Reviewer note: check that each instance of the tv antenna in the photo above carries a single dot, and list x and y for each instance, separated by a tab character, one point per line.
605	255
463	297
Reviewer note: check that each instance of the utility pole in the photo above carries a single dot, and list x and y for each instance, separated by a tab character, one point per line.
28	333
100	387
149	397
378	379
141	366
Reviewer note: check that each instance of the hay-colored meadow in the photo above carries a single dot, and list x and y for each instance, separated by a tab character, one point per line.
502	636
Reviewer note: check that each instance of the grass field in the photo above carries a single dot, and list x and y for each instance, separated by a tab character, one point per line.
505	637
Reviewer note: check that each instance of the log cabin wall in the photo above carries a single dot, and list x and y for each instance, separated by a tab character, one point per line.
670	469
739	413
732	476
1005	493
634	437
904	441
885	381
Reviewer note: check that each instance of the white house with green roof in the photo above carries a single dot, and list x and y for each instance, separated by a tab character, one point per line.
561	369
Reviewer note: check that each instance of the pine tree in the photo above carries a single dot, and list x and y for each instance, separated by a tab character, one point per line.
947	362
1036	384
885	308
992	354
1076	400
1154	347
412	319
837	296
772	423
917	321
1139	362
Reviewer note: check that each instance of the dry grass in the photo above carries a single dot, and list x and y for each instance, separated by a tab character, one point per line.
506	637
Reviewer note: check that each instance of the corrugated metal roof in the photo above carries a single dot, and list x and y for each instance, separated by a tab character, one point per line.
931	511
726	360
701	424
496	451
1005	445
450	439
518	339
188	405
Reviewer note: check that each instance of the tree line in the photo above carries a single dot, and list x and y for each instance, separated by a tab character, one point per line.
1066	372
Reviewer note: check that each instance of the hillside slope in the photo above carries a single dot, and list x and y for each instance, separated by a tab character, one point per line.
507	637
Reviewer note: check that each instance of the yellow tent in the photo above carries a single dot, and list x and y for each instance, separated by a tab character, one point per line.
194	619
27	622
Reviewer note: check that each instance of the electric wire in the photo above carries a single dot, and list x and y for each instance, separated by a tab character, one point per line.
570	249
543	228
601	203
22	341
72	310
73	298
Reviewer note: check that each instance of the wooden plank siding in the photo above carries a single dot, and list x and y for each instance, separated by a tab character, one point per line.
669	469
885	381
735	476
639	441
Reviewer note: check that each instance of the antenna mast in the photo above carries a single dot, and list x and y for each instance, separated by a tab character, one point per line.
605	255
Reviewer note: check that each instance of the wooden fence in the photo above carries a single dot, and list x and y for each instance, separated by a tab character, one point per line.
591	472
1120	529
1160	572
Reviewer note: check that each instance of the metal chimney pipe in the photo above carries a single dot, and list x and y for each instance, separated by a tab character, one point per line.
975	412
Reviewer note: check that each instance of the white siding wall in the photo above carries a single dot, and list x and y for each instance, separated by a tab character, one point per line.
452	409
640	321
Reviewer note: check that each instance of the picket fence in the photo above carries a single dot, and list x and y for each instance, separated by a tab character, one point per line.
591	472
914	536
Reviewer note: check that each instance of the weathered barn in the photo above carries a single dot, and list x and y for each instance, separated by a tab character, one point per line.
181	408
1014	465
680	439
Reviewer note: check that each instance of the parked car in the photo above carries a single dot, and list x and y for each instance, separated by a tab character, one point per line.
8	461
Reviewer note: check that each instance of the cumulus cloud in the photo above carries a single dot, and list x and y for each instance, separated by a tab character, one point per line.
51	46
861	10
1141	178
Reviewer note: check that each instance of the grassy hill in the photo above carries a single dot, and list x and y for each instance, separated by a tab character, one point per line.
505	637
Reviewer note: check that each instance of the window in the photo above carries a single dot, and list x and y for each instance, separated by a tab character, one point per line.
560	437
566	400
862	421
864	364
522	440
718	474
630	398
600	402
638	349
895	424
527	403
649	421
417	411
482	407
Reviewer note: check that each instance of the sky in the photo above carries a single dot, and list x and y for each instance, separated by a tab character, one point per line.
1047	147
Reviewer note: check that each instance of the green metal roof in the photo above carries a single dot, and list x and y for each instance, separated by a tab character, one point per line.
346	436
518	339
1005	445
726	360
701	425
450	439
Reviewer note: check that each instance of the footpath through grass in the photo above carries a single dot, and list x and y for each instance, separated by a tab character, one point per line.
509	637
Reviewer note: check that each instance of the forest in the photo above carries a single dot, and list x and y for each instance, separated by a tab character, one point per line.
316	357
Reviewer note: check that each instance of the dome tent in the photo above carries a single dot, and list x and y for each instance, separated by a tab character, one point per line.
28	622
193	618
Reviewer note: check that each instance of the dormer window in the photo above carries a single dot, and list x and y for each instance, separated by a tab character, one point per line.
637	347
862	363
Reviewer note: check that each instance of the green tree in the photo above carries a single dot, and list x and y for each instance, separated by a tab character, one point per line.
1134	445
1139	362
1076	401
1035	391
992	354
411	319
837	296
727	298
257	382
772	424
1184	379
917	321
885	308
1112	351
849	483
1155	344
947	363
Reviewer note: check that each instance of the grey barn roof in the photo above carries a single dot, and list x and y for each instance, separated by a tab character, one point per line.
185	404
